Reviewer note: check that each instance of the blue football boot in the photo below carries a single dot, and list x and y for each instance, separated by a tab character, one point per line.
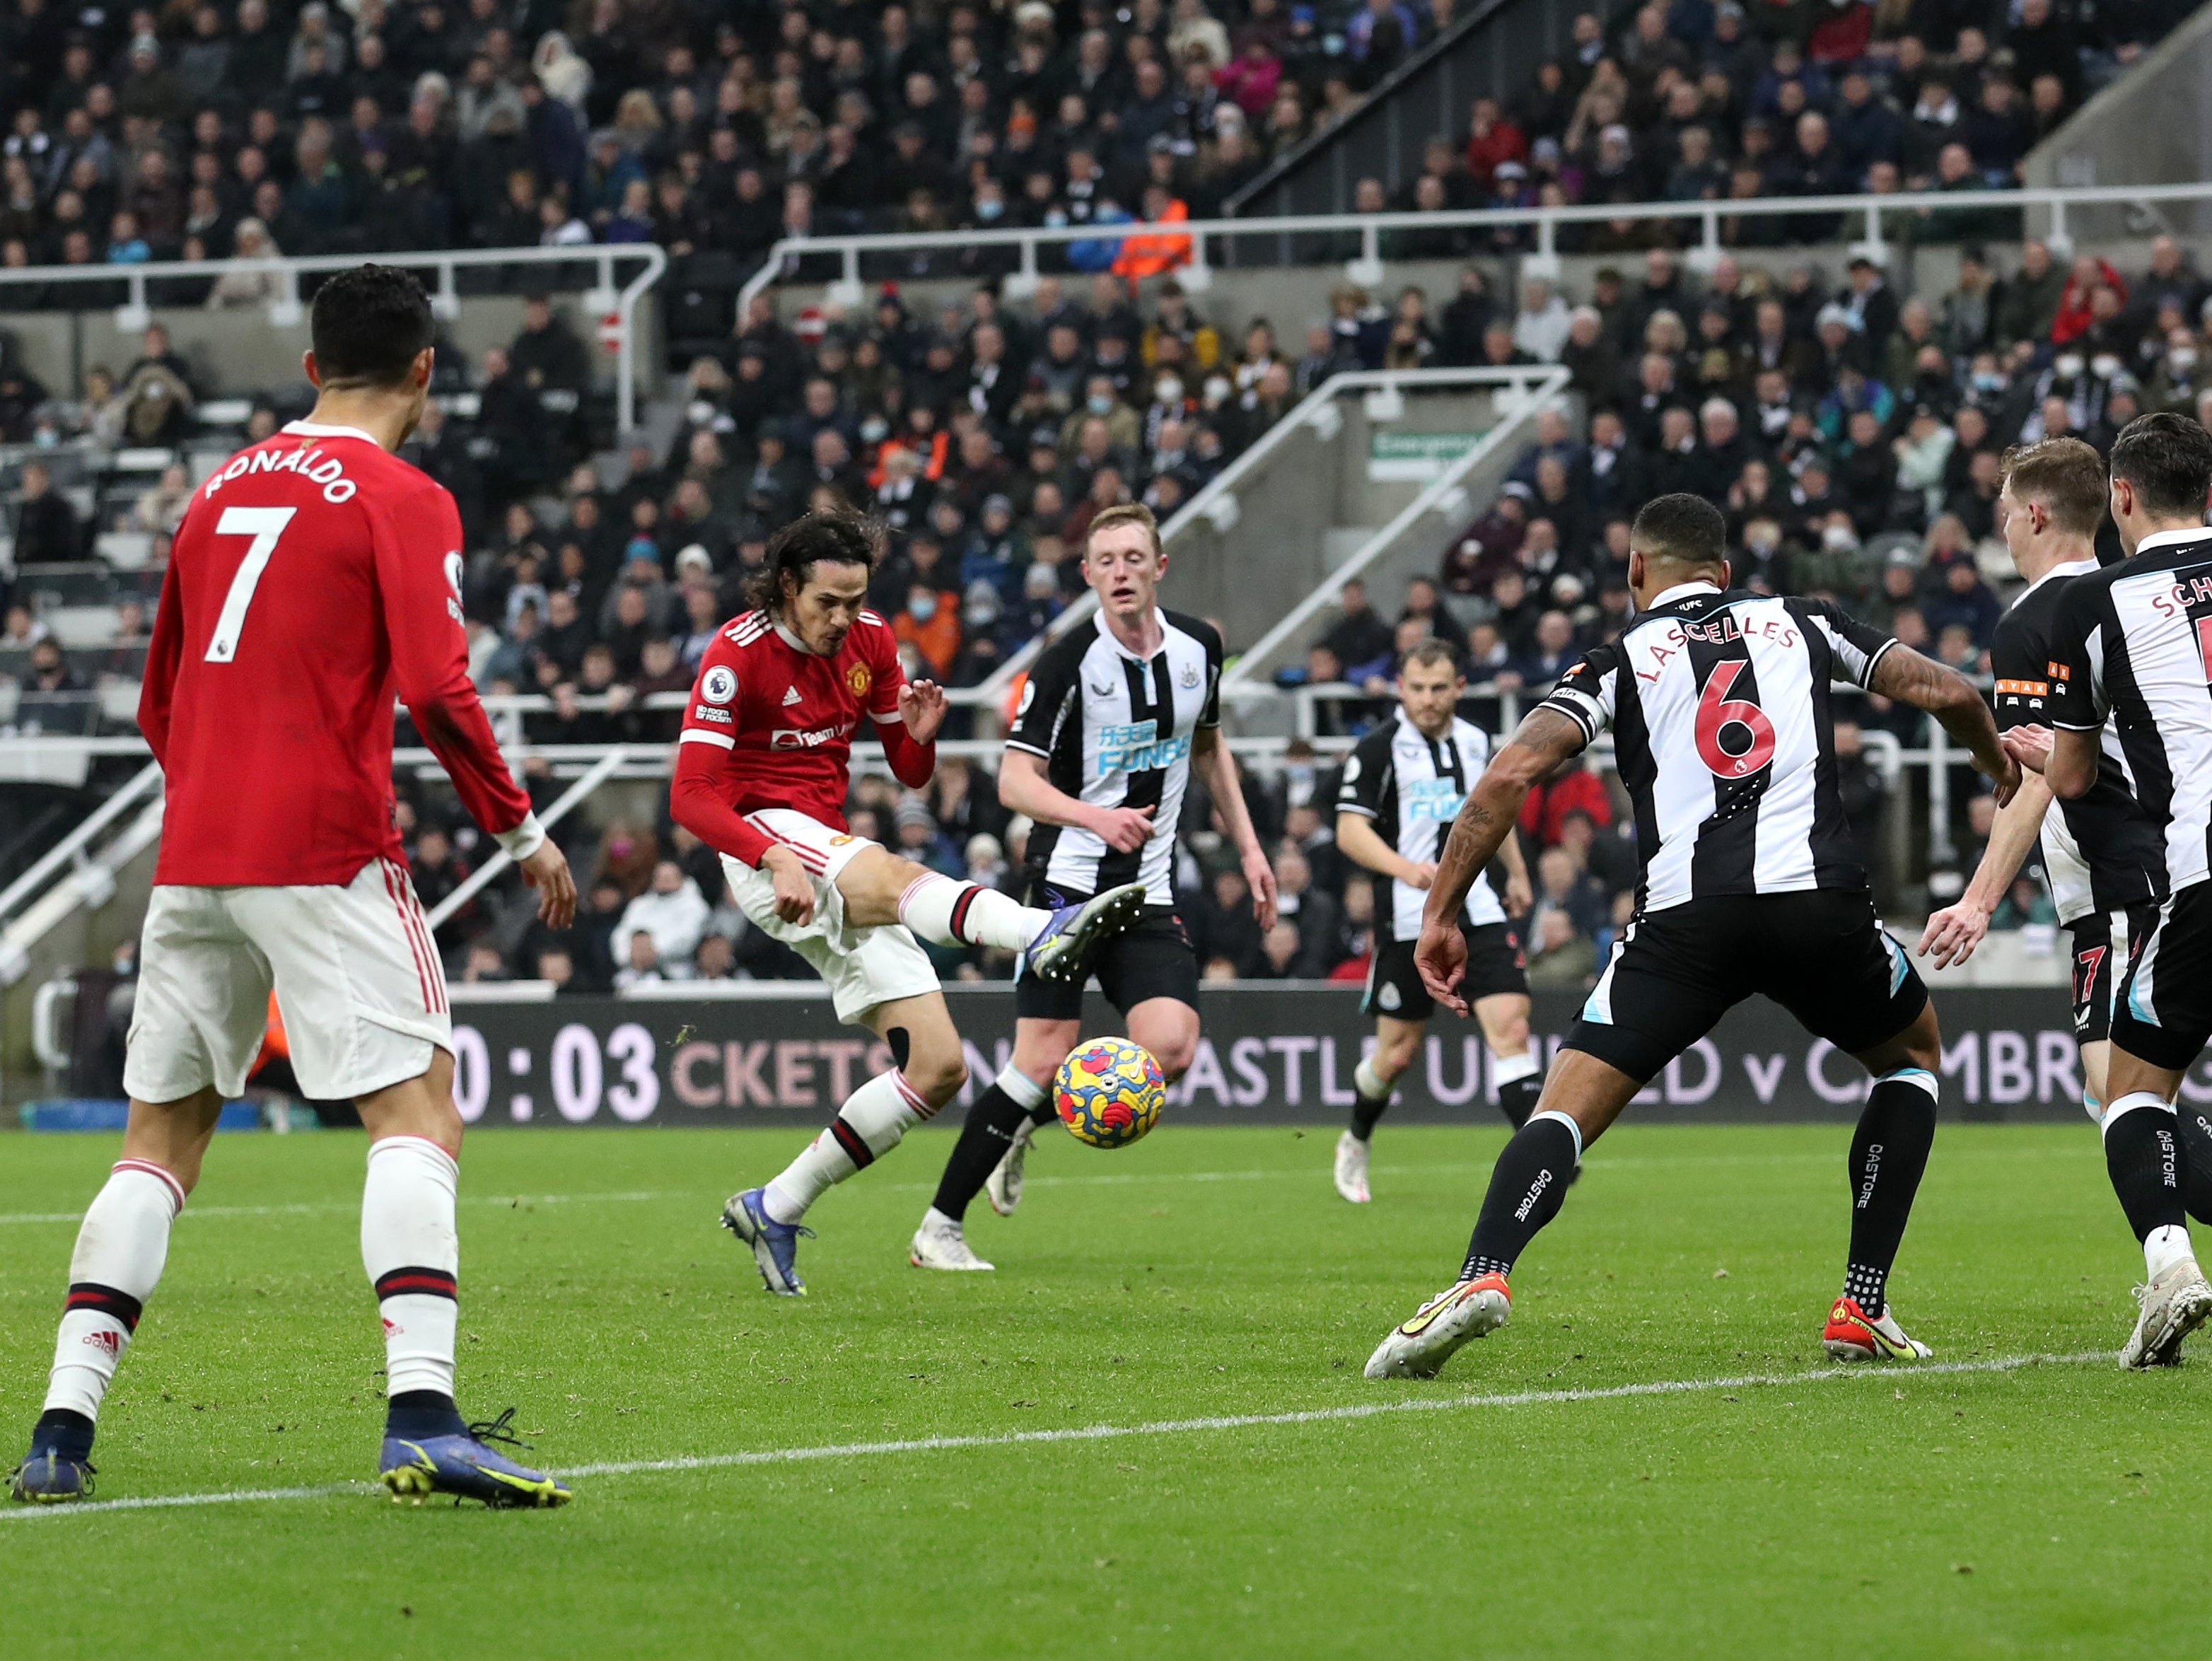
464	1466
48	1478
1061	952
776	1246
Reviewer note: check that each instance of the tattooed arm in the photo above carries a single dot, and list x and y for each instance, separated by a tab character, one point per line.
1903	674
1543	742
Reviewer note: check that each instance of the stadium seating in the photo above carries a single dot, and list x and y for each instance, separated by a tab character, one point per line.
986	431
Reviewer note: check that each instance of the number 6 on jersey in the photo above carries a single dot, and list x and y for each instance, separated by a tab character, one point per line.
264	525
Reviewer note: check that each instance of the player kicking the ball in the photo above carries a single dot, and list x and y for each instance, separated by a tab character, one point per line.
1717	700
1115	715
1402	788
762	767
312	578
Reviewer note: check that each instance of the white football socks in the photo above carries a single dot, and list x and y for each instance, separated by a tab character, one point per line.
1504	1070
121	1246
2165	1247
869	1125
946	912
412	1250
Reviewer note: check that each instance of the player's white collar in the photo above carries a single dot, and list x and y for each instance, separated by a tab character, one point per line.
2158	540
2065	567
1682	591
793	641
1107	634
323	429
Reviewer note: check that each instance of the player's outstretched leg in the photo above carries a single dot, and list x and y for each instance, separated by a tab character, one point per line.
410	1247
1889	1153
2146	1158
873	1120
1053	946
121	1247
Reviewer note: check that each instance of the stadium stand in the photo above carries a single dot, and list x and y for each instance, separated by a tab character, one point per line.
1852	429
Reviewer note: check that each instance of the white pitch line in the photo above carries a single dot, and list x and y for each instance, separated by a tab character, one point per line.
506	1201
1113	1432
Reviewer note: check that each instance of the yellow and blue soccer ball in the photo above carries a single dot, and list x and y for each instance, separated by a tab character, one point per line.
1109	1092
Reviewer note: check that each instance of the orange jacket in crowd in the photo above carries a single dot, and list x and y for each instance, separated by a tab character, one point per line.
1147	255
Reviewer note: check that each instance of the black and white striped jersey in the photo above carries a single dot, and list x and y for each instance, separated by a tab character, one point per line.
2100	851
1718	707
1114	730
1412	785
2135	648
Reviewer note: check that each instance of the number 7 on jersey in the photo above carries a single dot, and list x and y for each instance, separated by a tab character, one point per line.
264	525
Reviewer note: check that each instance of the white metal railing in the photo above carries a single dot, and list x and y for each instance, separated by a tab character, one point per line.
1371	228
604	298
1215	502
1443	493
595	776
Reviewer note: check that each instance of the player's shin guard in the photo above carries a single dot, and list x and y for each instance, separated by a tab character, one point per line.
868	1126
1889	1153
1526	1188
412	1248
992	1122
1371	1098
120	1248
2144	1156
945	911
1520	1081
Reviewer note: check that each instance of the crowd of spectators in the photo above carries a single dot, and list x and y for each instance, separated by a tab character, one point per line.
204	129
199	130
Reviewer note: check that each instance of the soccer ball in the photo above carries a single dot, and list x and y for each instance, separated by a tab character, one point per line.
1109	1092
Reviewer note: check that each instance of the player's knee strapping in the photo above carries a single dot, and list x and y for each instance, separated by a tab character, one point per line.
121	1249
1373	1092
1889	1155
945	911
1527	1188
412	1248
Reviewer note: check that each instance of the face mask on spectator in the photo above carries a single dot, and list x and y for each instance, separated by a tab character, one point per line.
1838	539
1989	381
2105	365
2069	365
874	430
922	607
1168	390
988	210
1217	391
1101	403
2182	357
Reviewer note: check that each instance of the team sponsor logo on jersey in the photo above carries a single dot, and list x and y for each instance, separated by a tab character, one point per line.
707	712
1105	691
1136	748
792	739
719	684
2025	689
790	697
858	679
1428	799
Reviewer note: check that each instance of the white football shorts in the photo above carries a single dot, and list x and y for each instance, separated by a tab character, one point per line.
356	972
864	967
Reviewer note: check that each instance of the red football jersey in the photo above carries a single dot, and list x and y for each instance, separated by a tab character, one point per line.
314	576
783	717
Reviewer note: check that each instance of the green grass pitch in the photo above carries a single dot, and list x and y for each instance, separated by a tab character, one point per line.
2048	1509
